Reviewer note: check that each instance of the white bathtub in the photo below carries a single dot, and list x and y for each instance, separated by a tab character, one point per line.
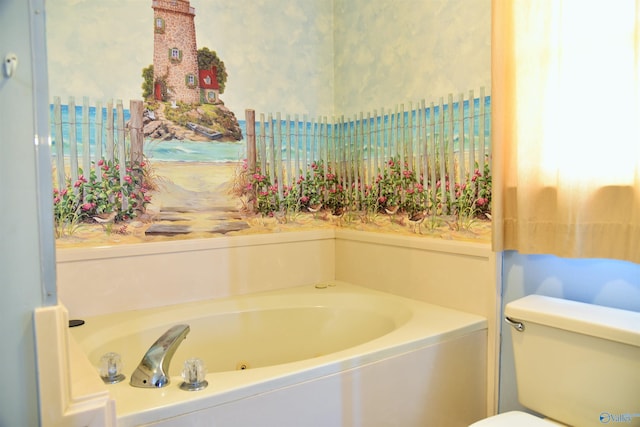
340	355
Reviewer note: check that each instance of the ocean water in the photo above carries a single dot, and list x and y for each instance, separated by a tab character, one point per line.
384	129
195	151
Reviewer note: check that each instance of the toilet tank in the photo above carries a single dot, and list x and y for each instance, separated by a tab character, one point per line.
577	363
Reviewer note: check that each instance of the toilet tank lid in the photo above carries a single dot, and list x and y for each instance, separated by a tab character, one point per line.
613	324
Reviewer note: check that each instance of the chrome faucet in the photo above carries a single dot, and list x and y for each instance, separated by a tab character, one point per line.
152	371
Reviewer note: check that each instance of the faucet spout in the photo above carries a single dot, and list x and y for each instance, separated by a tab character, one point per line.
152	371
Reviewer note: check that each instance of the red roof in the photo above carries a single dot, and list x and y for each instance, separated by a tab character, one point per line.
208	80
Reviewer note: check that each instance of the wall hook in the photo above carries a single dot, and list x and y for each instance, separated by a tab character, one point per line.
10	64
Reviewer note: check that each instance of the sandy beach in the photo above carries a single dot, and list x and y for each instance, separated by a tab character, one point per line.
197	196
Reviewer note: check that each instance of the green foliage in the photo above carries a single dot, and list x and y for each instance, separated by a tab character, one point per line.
313	185
88	197
178	113
208	58
390	184
147	82
266	194
395	187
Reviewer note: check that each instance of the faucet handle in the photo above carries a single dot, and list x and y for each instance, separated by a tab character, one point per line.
110	368
193	374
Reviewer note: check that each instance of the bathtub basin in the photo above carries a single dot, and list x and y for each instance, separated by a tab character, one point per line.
249	332
262	343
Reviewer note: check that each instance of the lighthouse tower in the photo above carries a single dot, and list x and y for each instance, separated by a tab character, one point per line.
175	52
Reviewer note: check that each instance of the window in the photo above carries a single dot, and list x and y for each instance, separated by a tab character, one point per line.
175	55
190	80
159	26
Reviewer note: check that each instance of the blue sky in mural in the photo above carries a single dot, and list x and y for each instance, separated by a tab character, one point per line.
288	56
98	49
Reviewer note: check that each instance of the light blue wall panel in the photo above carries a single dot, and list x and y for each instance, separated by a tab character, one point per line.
26	231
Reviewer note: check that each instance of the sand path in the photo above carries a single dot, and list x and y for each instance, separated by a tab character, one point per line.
194	198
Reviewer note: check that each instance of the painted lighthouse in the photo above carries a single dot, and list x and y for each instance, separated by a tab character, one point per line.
177	77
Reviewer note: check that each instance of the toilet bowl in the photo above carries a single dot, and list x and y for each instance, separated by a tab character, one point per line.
515	419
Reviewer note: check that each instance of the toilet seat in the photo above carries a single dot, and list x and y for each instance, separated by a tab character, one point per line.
514	418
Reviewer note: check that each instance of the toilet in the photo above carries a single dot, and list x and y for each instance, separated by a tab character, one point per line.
576	364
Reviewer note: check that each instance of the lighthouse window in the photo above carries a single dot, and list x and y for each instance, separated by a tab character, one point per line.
175	55
159	26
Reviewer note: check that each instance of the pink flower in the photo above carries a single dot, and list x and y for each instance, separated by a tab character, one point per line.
382	199
100	162
481	201
128	179
86	206
304	199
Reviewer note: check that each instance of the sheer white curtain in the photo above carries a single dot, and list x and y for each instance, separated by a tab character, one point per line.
566	127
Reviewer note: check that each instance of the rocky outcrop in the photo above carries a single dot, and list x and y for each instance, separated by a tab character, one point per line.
219	118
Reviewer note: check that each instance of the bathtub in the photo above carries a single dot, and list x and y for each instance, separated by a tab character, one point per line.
329	354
